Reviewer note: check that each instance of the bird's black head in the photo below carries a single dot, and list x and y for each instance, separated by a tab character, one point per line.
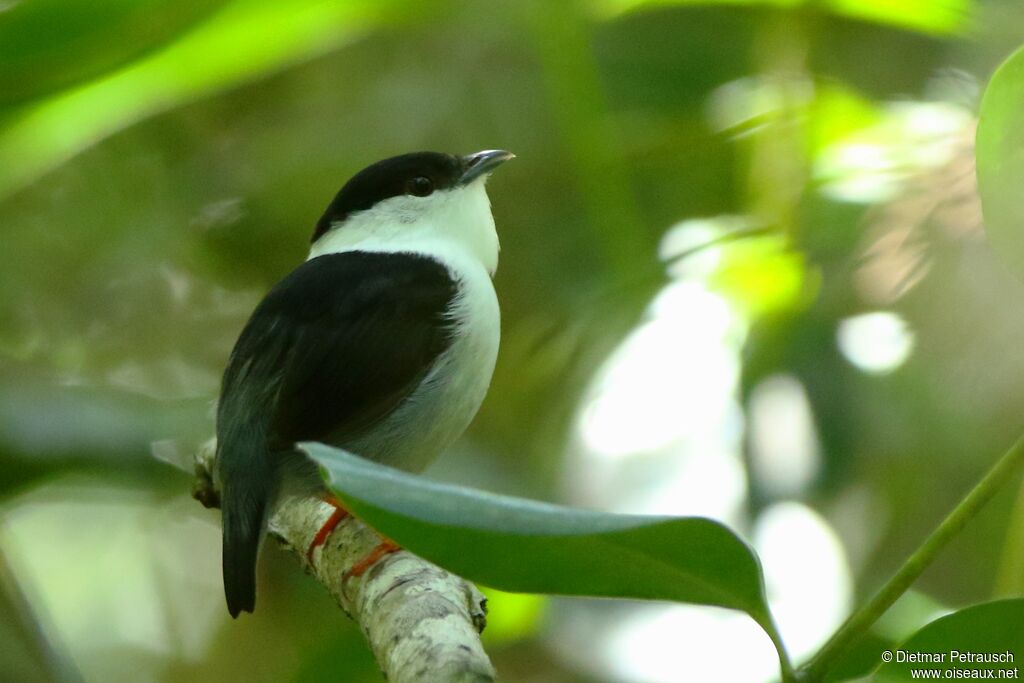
417	174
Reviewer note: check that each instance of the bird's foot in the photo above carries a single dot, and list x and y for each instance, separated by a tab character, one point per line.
386	547
336	517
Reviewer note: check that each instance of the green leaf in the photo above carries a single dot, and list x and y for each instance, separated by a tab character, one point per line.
520	545
243	40
1000	161
46	45
925	16
993	628
937	17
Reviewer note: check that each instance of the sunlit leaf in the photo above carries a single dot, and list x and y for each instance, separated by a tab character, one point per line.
613	7
1000	161
522	545
925	16
872	164
761	275
512	616
992	629
837	113
242	41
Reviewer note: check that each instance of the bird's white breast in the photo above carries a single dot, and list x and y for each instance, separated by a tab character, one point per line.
440	409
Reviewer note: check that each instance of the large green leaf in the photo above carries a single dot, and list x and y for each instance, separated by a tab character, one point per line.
1000	161
991	629
522	545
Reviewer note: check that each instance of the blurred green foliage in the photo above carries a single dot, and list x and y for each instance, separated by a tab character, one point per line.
162	164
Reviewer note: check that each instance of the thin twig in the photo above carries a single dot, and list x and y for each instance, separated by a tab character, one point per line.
861	620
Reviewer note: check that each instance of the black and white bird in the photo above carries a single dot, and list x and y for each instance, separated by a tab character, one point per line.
382	343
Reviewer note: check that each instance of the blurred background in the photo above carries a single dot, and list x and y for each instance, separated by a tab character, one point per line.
743	275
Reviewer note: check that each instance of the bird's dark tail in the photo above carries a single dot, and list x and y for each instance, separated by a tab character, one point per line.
244	502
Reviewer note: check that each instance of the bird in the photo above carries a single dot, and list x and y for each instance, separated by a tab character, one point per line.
383	343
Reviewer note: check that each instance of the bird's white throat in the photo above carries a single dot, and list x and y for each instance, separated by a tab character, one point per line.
449	225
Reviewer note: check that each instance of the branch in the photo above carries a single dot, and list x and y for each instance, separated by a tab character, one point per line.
421	622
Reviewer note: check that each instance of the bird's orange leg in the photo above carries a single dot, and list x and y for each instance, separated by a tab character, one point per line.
386	547
336	517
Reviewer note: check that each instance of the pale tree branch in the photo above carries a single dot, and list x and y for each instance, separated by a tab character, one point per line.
421	622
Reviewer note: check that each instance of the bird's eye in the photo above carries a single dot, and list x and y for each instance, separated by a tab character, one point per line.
420	186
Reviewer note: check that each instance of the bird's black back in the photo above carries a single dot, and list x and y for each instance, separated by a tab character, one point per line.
331	351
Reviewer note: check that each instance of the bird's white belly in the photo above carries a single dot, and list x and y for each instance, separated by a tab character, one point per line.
444	404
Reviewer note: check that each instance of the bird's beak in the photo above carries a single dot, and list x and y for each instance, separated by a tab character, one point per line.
482	163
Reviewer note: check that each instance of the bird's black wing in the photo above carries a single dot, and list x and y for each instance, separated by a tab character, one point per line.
337	345
332	349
